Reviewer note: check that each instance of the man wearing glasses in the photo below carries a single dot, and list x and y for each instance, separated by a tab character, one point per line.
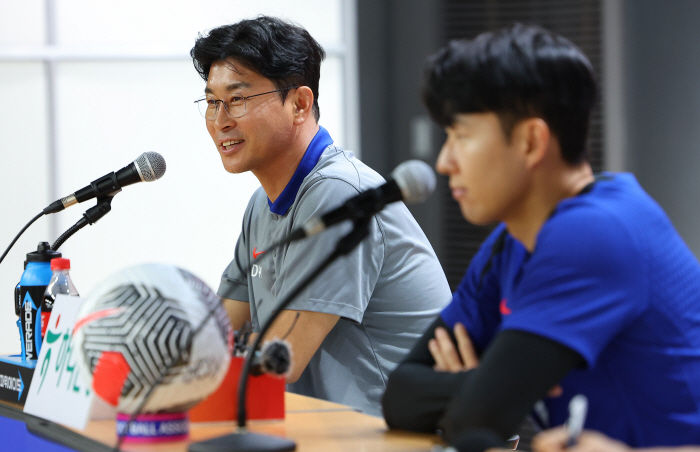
350	327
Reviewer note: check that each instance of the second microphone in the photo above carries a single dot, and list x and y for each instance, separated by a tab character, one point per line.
148	167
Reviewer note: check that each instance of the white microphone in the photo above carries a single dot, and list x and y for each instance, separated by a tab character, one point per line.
148	167
411	181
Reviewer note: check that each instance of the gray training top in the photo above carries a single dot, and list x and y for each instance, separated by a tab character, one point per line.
387	291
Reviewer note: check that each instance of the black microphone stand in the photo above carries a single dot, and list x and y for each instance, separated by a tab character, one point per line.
243	440
91	216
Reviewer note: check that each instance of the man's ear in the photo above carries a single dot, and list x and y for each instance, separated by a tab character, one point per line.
303	104
533	139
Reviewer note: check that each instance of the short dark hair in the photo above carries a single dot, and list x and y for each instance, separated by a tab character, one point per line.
518	72
280	51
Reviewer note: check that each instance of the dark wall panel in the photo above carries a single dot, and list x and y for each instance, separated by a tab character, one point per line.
662	80
396	36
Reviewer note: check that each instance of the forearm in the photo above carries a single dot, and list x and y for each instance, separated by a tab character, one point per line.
517	370
238	312
304	331
417	396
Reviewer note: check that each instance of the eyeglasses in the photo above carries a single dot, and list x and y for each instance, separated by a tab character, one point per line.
235	107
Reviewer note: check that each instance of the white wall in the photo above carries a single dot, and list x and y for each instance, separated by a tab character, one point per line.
117	81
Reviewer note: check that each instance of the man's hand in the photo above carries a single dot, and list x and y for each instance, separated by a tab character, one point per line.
447	357
554	440
463	358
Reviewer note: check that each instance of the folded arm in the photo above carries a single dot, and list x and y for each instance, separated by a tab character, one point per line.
416	394
483	405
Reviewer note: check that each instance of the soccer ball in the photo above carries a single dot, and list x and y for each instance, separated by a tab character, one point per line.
153	326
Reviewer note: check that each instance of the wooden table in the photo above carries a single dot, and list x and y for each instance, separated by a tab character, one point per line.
315	425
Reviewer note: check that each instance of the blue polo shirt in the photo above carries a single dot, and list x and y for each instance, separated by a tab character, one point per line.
611	279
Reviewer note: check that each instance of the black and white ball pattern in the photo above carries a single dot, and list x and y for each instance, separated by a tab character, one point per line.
142	321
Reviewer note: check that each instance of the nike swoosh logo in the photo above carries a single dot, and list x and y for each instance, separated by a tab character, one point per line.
255	255
505	310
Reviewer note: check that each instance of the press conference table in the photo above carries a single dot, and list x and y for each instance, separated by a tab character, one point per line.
315	425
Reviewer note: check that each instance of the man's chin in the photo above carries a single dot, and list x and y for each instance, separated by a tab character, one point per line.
234	170
476	218
233	167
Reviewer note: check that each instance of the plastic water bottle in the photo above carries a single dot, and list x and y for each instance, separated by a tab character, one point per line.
61	283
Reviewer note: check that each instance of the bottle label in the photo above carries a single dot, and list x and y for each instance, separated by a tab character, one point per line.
30	319
46	308
47	304
45	316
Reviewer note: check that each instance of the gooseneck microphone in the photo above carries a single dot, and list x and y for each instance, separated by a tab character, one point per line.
411	181
148	167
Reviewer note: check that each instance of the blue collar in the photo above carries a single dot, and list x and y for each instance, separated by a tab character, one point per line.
285	200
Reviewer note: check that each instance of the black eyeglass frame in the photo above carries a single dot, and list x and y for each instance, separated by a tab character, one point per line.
225	104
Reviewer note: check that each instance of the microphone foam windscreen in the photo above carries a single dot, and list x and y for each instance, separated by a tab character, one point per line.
416	179
276	357
151	166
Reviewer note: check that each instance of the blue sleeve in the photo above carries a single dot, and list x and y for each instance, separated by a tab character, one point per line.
475	303
584	282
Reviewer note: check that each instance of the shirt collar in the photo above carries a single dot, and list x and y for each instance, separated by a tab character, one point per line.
321	141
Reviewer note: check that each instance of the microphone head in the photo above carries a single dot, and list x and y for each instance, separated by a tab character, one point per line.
276	357
150	166
416	179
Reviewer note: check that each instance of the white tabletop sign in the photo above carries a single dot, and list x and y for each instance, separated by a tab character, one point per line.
57	392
